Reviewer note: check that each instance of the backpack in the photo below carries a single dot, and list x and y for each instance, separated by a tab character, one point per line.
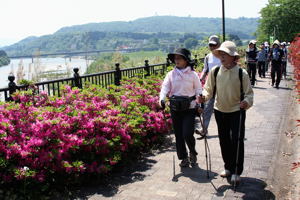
240	77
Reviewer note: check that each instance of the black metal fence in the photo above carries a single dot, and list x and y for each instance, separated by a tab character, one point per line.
103	79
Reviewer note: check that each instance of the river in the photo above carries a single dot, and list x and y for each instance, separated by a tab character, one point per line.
41	65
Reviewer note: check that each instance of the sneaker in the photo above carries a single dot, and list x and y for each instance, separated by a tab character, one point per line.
193	158
277	87
225	173
184	163
235	178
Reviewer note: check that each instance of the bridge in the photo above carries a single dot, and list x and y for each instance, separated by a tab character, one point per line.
76	53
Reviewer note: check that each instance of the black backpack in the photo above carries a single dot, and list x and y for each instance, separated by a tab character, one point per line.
240	77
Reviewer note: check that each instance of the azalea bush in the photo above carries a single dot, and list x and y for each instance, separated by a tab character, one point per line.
294	58
84	132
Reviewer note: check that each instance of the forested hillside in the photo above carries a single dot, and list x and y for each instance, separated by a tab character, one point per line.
160	32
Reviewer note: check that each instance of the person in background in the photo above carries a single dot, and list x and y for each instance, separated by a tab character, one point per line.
276	55
284	58
230	85
209	62
261	61
267	48
251	59
182	85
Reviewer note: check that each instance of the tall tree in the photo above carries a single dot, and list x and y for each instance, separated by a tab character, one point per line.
281	19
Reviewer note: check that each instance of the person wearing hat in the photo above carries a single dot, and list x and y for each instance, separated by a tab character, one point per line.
251	59
276	55
230	84
182	85
209	62
262	56
267	48
284	58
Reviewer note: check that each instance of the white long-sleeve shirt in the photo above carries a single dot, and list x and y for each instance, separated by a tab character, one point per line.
185	83
209	62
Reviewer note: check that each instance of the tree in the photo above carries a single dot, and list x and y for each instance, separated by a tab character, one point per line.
281	19
190	43
4	59
235	39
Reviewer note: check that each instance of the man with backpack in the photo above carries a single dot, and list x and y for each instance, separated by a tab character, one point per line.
209	62
230	85
276	55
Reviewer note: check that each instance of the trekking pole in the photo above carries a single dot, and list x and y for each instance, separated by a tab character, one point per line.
173	167
237	150
207	150
163	106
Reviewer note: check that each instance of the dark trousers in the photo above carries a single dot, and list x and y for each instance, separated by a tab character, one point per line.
276	69
252	72
284	68
228	130
183	125
261	68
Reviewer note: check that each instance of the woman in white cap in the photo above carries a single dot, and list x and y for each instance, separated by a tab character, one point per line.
251	60
230	84
276	55
182	85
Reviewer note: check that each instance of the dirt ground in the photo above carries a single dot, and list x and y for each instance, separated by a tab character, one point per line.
285	183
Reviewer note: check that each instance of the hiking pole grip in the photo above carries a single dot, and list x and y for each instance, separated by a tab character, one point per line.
201	104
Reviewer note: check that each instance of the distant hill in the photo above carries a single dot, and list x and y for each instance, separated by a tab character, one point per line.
243	27
159	31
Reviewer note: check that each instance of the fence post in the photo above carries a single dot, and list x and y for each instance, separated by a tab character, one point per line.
77	79
165	67
147	68
118	74
196	61
12	86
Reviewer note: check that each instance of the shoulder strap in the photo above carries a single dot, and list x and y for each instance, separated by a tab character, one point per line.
215	75
241	80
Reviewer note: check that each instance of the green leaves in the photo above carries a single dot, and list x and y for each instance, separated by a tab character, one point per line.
280	18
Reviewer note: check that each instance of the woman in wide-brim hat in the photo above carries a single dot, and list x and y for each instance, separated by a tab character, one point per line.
182	85
227	83
185	53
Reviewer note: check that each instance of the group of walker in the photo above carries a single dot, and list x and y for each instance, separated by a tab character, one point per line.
227	92
276	56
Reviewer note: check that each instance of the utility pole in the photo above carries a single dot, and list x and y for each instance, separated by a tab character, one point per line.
223	19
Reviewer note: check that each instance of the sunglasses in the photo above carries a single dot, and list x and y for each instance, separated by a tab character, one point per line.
212	45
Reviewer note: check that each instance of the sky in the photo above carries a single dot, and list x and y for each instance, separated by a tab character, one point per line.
23	18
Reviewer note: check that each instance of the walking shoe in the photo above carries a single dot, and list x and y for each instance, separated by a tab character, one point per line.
277	87
184	163
235	178
198	131
193	158
225	173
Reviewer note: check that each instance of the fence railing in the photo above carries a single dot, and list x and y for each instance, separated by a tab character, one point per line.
103	79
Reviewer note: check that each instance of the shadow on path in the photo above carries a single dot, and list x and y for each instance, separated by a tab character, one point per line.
129	173
196	174
249	189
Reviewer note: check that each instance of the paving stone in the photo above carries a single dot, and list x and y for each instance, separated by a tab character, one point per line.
262	124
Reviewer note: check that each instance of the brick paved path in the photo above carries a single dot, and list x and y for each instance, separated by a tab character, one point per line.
153	177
